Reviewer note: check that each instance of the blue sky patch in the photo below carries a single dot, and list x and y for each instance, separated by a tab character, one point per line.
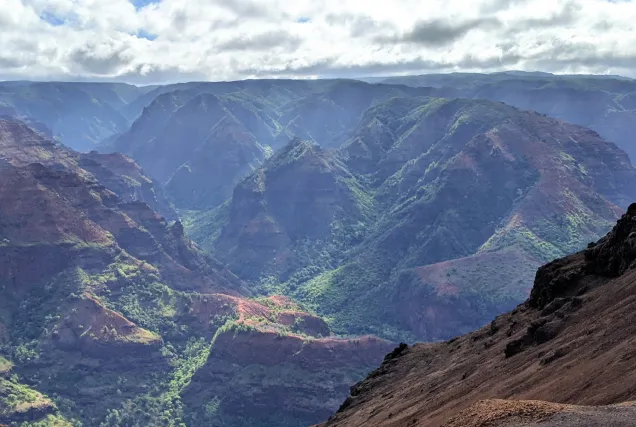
143	34
303	20
54	20
141	3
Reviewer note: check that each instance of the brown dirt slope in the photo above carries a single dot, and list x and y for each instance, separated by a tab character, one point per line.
20	146
533	413
572	342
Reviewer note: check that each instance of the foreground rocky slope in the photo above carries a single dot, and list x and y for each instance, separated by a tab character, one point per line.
571	342
108	312
508	413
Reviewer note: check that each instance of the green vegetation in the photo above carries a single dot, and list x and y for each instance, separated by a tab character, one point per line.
434	209
442	186
5	366
51	421
15	396
205	226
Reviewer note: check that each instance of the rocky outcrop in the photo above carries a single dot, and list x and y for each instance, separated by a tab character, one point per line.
300	196
614	254
102	333
611	256
296	380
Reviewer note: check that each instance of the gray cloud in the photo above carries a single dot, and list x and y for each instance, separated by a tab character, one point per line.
492	6
359	25
582	55
260	42
102	60
567	15
8	62
246	8
437	33
180	20
153	74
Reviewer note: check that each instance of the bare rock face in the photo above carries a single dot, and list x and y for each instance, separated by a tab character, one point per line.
614	254
302	194
99	332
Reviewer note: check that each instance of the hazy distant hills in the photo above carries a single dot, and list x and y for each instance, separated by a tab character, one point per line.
602	103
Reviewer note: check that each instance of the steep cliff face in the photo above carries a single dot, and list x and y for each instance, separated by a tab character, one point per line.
571	342
202	139
228	153
20	146
199	145
604	104
299	207
80	114
428	221
73	254
281	358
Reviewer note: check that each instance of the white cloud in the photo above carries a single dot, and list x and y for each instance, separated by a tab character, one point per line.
176	40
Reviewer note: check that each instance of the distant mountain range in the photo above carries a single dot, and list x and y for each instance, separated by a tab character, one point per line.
332	218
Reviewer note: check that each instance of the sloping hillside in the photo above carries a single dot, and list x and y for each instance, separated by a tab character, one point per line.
571	342
108	312
456	179
602	103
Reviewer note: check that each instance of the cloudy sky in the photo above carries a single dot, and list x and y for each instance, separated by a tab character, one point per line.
153	41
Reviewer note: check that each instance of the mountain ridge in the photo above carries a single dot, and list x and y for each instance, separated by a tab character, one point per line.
447	180
108	311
